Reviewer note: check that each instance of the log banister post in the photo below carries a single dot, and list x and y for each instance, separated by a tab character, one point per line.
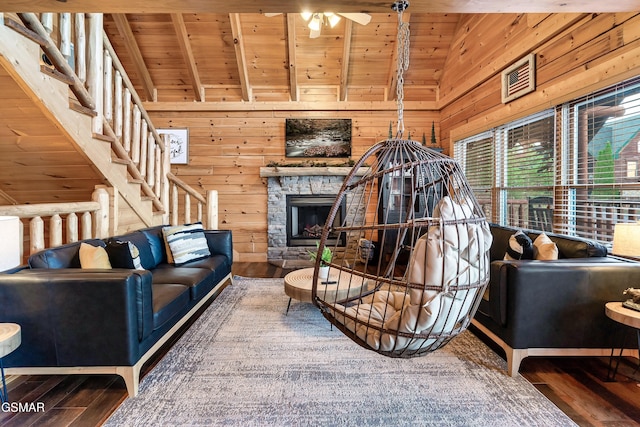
212	209
95	66
101	196
55	231
36	234
72	227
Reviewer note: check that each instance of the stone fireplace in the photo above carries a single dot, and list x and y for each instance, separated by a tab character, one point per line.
312	191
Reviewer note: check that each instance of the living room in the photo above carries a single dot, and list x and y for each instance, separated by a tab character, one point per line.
235	100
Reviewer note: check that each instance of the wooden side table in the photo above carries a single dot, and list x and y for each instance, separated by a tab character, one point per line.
625	316
340	285
10	339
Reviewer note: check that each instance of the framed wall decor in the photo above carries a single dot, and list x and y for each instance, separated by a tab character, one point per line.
318	138
179	143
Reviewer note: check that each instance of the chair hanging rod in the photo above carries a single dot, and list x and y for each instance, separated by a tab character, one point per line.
403	61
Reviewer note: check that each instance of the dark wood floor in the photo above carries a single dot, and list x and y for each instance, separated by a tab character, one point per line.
577	386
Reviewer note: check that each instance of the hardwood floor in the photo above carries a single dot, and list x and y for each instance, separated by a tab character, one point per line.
577	386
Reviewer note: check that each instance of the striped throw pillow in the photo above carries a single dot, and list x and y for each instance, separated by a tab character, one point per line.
185	243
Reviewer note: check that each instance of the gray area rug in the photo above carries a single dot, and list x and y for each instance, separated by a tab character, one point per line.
244	362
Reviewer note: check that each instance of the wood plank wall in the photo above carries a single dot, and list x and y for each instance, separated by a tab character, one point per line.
227	149
575	55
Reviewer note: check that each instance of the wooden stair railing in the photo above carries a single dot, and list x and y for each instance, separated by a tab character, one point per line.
119	115
64	225
209	218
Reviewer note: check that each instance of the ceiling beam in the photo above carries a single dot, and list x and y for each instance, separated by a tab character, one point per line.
187	54
136	56
291	56
238	44
289	106
346	53
289	6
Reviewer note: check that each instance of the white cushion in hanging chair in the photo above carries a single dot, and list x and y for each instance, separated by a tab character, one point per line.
447	256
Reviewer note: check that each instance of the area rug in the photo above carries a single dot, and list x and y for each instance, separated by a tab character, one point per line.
245	362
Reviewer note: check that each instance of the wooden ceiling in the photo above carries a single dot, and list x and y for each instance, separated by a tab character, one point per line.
252	57
213	50
285	6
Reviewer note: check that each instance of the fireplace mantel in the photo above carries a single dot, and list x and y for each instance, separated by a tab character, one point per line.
276	171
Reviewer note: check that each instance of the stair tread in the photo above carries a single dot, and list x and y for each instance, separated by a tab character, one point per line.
18	27
120	161
102	137
75	106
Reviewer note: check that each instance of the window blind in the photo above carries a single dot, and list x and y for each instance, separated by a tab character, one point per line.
601	148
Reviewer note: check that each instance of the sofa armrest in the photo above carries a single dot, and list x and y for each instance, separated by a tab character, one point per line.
559	303
220	243
75	317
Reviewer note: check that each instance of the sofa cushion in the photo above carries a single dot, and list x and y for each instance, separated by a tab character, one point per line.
520	246
156	244
168	300
93	256
186	243
544	249
124	254
65	256
199	280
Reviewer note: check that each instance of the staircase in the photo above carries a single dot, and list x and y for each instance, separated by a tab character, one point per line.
96	107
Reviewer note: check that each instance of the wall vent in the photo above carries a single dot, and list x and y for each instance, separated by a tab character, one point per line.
519	79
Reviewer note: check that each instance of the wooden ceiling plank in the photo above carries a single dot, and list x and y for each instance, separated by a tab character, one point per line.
187	54
346	56
291	55
288	6
134	51
238	44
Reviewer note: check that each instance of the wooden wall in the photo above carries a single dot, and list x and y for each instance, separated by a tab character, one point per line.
575	55
227	149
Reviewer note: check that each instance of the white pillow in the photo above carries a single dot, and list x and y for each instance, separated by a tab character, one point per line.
544	249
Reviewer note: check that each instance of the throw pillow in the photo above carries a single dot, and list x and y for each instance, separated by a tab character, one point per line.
93	257
544	248
186	243
123	255
519	247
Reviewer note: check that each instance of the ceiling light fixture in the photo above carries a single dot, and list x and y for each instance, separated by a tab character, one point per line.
315	20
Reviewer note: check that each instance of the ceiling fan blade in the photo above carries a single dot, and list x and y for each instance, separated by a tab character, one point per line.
360	18
269	15
314	34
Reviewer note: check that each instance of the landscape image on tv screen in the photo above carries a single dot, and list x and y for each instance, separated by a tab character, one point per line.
318	137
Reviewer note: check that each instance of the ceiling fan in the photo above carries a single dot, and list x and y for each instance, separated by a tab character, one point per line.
316	20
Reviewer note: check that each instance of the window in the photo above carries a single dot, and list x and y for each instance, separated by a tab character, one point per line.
511	171
572	170
602	187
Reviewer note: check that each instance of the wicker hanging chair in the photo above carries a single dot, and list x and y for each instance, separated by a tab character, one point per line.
416	260
415	232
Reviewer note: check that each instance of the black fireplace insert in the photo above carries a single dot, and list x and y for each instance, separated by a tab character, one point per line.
306	217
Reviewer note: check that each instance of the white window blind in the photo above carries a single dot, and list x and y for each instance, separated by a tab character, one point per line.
510	170
601	154
477	159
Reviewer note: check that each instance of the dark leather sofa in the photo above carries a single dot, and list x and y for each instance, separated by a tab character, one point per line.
94	321
553	308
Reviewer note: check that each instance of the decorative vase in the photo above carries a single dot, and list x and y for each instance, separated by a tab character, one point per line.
323	272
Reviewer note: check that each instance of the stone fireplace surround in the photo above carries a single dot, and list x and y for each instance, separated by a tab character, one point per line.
283	181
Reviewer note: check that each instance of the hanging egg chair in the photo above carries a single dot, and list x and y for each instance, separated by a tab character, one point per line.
415	235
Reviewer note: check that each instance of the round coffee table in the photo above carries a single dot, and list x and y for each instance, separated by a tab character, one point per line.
625	316
10	339
340	285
